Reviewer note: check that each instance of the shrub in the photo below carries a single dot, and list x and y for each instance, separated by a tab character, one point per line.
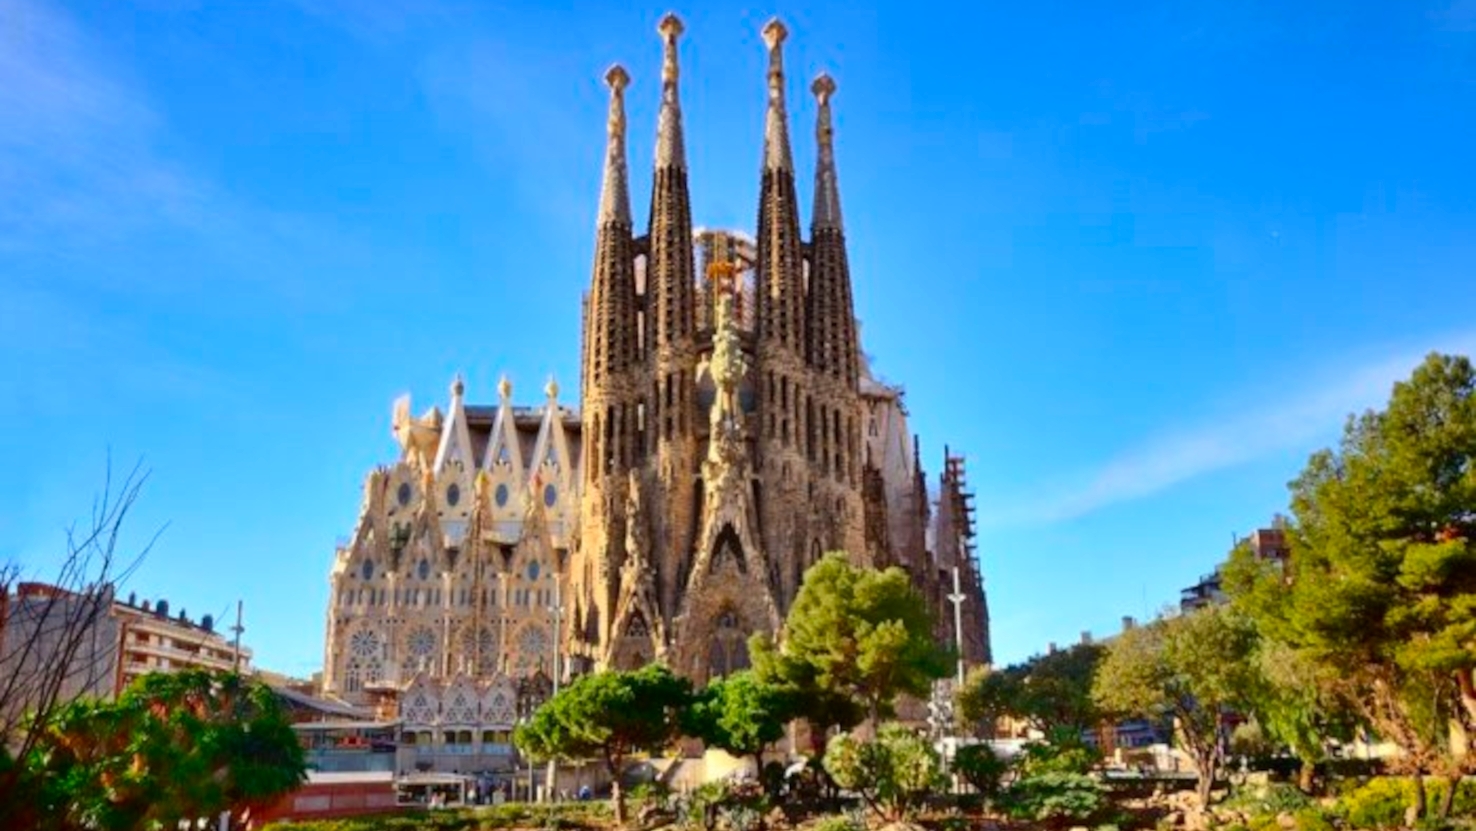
649	793
1313	819
1064	754
1057	799
1268	800
837	822
1383	801
893	773
1378	803
981	768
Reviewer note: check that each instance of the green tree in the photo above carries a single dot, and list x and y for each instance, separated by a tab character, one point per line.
608	716
1052	692
1380	590
982	768
1297	702
174	746
742	714
1192	668
987	696
853	633
893	773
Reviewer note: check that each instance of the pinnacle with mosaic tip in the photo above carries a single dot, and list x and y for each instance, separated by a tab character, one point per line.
670	28
617	78
823	87
774	33
615	188
776	131
671	148
827	213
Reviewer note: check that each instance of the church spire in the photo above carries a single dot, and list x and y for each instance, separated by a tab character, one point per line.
827	214
832	345
671	264
671	150
780	281
776	120
610	309
615	188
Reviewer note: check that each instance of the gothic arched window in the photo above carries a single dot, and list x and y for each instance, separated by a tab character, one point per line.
728	652
637	628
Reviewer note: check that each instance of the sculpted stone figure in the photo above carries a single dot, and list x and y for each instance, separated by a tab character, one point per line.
418	436
727	365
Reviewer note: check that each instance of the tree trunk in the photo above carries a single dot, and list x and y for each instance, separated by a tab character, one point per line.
617	795
1306	776
1418	808
1447	800
1205	762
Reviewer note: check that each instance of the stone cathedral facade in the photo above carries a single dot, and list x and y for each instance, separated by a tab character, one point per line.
728	432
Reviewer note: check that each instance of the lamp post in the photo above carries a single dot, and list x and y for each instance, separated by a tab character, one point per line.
957	599
945	705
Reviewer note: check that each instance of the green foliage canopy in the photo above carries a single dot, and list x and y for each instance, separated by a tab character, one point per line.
173	746
1379	595
893	773
853	634
1192	668
1052	693
608	716
741	714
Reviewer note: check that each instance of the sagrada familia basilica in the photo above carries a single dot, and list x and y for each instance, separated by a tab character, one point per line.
728	432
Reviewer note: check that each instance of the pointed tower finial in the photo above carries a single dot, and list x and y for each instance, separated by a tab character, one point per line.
551	389
776	126
670	29
615	189
458	386
504	388
827	213
671	148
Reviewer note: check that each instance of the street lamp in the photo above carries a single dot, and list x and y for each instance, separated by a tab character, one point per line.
957	599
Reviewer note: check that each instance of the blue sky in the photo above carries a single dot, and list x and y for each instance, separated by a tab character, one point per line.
1134	260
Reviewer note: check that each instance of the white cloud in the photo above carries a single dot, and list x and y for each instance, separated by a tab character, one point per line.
1273	420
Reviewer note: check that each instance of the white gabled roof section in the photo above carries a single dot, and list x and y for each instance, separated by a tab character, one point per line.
455	436
503	452
505	473
552	466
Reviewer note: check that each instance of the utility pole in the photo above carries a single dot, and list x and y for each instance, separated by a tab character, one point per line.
957	599
237	629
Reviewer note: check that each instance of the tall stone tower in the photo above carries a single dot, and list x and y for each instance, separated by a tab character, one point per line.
729	433
698	522
612	381
670	324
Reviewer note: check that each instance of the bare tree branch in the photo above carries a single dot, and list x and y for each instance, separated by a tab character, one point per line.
58	641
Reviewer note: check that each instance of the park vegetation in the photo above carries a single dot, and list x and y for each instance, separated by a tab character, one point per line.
1366	629
169	748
